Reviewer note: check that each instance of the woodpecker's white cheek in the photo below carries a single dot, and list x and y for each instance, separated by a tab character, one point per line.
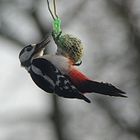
26	55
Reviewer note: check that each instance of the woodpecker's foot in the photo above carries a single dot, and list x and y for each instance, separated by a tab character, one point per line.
59	35
78	64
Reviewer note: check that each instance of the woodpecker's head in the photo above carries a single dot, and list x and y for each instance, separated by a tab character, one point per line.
32	51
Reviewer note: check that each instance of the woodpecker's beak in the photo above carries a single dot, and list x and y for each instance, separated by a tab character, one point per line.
40	46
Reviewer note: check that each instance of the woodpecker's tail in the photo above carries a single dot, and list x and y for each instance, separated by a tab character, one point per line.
85	99
85	85
101	88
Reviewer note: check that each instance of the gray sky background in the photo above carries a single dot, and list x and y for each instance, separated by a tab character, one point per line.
108	29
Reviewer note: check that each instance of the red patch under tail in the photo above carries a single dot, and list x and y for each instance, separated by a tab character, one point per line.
77	77
85	85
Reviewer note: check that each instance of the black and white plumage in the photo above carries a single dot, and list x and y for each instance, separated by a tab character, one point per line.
57	74
45	74
50	79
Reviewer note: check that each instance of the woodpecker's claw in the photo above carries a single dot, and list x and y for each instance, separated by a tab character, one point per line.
78	64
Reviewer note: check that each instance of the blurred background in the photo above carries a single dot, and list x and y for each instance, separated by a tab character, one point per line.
110	31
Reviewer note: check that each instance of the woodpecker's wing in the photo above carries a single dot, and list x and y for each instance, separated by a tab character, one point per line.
85	85
40	79
101	88
62	86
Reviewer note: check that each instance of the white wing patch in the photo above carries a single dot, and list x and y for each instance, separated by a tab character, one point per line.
64	84
39	72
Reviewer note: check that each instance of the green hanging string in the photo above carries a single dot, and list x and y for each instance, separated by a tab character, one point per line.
57	25
71	47
56	20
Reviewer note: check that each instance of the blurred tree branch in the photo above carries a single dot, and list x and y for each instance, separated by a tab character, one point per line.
74	13
115	118
124	8
8	35
57	118
44	30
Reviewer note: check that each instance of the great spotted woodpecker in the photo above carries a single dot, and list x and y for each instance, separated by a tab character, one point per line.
46	75
57	74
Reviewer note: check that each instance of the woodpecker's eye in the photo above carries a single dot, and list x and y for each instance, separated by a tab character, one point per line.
29	48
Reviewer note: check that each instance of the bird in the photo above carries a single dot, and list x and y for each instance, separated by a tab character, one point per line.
56	74
45	75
